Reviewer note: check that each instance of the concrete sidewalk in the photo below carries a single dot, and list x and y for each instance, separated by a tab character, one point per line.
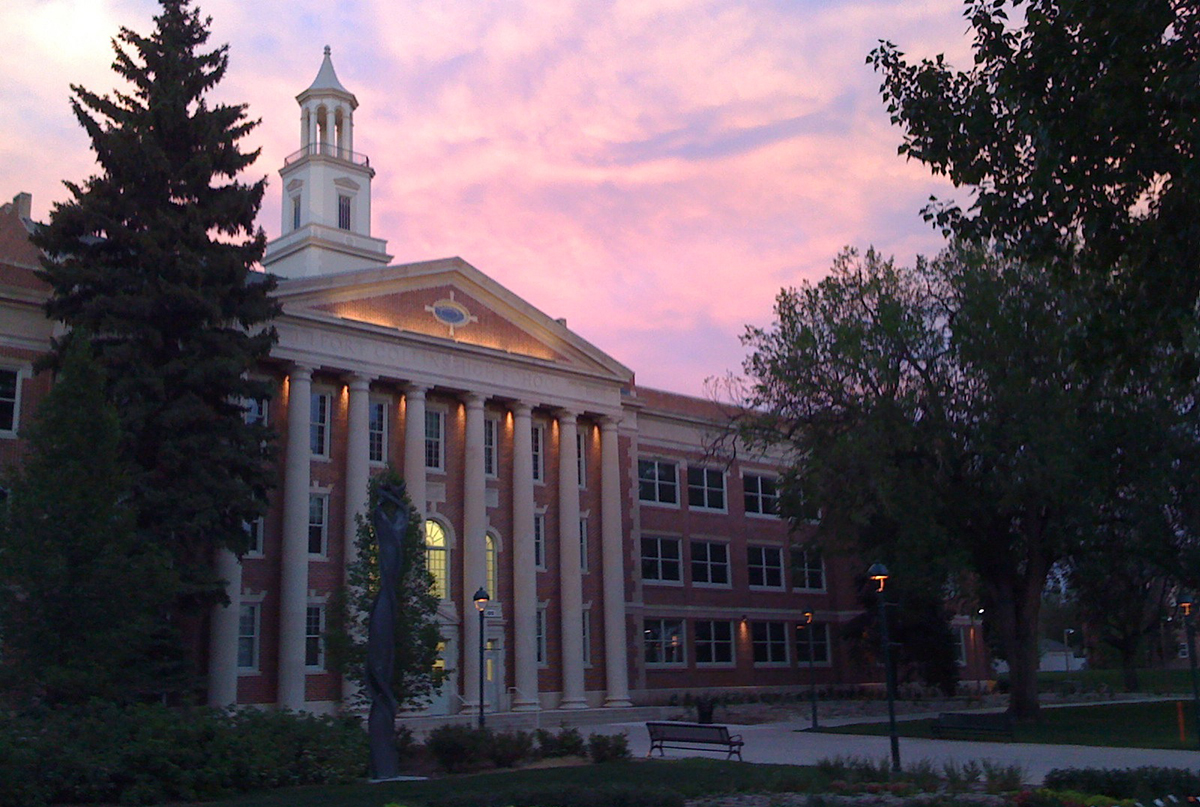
790	744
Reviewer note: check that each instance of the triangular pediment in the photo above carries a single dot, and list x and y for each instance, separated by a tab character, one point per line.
450	300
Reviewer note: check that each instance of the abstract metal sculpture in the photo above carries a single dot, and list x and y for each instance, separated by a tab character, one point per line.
390	520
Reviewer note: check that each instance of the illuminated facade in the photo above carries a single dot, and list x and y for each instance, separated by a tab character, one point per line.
625	561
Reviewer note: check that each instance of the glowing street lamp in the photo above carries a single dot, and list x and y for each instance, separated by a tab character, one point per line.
481	601
812	676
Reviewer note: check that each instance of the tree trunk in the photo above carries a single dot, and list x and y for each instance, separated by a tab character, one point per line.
1129	673
1017	603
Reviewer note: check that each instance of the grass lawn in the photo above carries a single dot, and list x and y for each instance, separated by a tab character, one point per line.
1117	725
690	777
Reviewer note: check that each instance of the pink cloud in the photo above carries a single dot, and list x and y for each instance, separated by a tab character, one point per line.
654	172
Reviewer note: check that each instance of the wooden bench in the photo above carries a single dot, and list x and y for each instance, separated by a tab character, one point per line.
973	724
693	737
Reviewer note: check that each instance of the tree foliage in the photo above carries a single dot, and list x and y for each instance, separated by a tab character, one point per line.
1076	130
153	255
939	420
80	613
418	636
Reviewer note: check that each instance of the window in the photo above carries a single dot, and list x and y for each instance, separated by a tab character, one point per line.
377	431
958	634
314	637
581	456
706	488
318	427
318	518
247	646
657	482
295	212
587	636
714	642
762	497
770	642
710	562
254	536
765	566
491	430
255	411
539	468
435	438
539	540
489	562
436	561
583	545
343	212
808	569
820	642
663	641
660	559
10	396
540	635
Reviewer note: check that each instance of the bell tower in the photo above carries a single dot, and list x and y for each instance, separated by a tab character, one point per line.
326	222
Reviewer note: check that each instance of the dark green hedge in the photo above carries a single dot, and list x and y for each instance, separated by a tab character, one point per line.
1144	784
148	754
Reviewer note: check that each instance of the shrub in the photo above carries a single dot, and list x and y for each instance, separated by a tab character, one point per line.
457	749
509	748
608	747
145	754
1143	784
567	743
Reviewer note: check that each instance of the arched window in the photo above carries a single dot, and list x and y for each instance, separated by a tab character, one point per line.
437	558
490	559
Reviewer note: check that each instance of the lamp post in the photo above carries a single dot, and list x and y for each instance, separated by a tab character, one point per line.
481	601
879	573
1187	603
1067	648
812	676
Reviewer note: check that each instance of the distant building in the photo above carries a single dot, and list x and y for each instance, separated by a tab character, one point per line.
626	562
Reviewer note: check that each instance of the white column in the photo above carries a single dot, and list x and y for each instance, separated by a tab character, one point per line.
570	574
358	472
414	447
612	545
223	634
473	554
293	583
525	601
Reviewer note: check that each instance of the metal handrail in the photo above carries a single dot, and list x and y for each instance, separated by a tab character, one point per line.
328	150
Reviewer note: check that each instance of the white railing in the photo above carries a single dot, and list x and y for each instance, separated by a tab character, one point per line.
328	150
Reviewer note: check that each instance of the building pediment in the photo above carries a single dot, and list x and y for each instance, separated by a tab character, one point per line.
448	300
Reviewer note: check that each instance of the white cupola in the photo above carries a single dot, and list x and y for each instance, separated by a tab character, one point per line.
326	221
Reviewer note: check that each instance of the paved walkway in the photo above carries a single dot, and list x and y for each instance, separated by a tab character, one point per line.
788	743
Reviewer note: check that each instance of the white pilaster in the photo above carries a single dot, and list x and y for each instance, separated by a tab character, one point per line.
525	601
570	573
223	637
293	584
473	554
616	667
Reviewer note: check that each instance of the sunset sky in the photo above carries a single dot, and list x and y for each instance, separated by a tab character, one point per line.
652	170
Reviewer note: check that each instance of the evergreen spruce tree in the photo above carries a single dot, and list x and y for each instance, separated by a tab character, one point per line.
153	256
81	615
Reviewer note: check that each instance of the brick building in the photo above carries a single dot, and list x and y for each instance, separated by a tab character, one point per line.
626	561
